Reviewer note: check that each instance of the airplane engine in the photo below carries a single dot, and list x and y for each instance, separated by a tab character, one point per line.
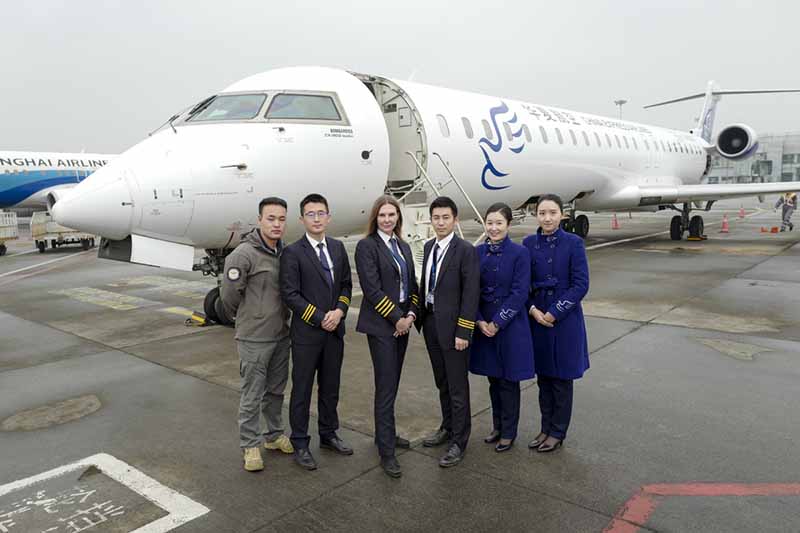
737	141
55	196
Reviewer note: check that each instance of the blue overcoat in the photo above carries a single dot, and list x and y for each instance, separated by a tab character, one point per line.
505	282
559	281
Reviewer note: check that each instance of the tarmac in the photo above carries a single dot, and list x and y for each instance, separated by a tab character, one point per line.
116	416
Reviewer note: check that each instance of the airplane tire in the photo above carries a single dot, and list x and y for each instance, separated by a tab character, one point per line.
221	314
3	249
567	225
676	228
581	226
696	226
210	304
85	244
41	246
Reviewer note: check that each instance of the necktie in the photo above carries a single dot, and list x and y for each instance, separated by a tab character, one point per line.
433	271
325	266
403	268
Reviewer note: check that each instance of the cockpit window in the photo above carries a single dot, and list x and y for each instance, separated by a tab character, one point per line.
231	107
303	106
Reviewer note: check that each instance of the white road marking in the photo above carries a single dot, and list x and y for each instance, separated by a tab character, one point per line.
37	265
180	509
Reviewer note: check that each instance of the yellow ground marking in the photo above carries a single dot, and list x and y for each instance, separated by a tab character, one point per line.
112	300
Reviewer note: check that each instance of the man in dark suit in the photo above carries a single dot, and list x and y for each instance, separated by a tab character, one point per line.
316	285
450	288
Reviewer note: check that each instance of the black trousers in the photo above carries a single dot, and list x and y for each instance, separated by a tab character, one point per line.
505	406
323	360
450	373
555	404
388	354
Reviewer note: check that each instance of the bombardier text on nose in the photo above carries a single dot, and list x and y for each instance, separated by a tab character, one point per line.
196	183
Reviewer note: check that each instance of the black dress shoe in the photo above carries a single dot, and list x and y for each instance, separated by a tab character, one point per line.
494	436
437	439
336	444
500	448
452	457
304	458
400	442
391	466
547	448
535	443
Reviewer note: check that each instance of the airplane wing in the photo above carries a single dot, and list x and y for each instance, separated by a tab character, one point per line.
691	193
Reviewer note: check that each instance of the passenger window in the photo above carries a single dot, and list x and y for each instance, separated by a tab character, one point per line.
560	137
303	107
627	146
574	139
487	130
635	146
467	127
619	144
443	126
509	134
663	148
543	133
230	107
597	138
646	144
585	138
527	133
608	140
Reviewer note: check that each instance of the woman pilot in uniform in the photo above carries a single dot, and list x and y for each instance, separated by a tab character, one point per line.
559	281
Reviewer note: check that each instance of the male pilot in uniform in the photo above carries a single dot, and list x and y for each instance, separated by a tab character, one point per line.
450	291
316	285
250	292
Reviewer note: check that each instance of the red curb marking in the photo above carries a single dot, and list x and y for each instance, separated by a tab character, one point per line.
637	510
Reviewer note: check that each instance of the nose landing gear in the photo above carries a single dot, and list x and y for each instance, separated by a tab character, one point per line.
578	225
212	265
681	223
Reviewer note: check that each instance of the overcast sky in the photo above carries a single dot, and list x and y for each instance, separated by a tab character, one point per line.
97	75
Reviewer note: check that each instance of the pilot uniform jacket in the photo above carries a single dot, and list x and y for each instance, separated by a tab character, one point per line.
559	281
307	292
505	283
455	302
250	290
381	286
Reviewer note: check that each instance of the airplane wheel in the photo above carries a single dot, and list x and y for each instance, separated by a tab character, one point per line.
41	246
3	249
53	244
581	226
210	304
696	226
567	225
221	314
676	228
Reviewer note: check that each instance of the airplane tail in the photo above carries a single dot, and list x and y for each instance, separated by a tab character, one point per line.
713	94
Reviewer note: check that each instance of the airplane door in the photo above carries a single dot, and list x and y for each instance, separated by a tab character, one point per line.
167	207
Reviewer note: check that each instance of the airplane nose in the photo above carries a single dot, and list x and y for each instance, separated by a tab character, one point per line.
103	209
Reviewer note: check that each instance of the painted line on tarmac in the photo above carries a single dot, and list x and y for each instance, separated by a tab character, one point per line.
37	265
23	253
180	509
640	507
640	237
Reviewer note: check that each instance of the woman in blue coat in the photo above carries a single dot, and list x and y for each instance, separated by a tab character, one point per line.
559	281
502	347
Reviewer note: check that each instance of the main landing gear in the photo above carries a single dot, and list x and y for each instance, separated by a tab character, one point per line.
213	264
578	225
681	223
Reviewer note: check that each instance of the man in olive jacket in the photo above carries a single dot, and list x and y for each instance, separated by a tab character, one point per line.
251	292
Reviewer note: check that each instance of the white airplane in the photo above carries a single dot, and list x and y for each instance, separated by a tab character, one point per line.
287	132
27	178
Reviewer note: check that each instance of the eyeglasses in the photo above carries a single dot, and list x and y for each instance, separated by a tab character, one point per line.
315	214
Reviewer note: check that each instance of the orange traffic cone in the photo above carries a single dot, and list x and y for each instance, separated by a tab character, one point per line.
741	212
773	229
614	222
764	230
726	227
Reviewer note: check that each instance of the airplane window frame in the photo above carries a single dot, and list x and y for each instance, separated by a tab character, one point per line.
627	144
468	131
528	136
574	138
342	121
608	141
586	138
597	138
444	127
543	133
559	136
509	133
193	119
487	130
646	144
619	144
635	146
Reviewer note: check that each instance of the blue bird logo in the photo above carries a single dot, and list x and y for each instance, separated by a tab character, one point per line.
515	145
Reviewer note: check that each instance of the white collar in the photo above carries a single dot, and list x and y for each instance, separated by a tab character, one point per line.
386	238
444	243
314	243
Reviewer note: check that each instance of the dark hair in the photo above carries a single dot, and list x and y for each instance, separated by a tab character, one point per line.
501	208
272	200
372	227
443	201
313	198
551	198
